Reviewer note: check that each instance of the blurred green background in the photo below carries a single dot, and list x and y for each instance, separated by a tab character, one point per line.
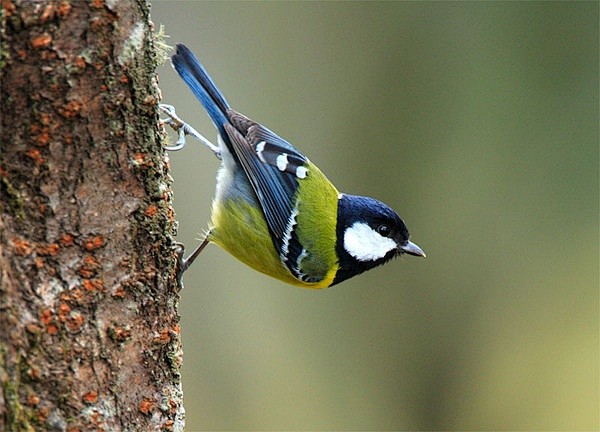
478	123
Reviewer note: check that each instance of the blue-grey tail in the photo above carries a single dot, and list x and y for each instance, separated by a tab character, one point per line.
193	73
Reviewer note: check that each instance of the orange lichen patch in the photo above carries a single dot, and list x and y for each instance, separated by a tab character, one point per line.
46	316
151	210
89	268
98	4
163	338
97	418
147	405
48	13
45	119
141	159
172	406
71	109
41	132
86	273
22	247
41	41
36	155
149	273
74	294
63	312
119	292
75	321
170	214
42	414
90	397
35	128
168	425
167	334
33	399
79	62
90	262
43	139
66	240
119	333
123	79
150	101
51	329
93	284
64	8
97	22
94	243
48	249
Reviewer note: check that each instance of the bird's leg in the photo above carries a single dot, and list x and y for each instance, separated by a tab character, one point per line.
185	263
182	128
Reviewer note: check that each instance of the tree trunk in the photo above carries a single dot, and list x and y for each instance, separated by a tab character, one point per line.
89	334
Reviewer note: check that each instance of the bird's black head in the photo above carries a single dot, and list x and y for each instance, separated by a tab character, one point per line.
369	234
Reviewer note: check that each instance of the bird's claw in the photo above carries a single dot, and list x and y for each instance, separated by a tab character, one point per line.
179	249
182	128
176	124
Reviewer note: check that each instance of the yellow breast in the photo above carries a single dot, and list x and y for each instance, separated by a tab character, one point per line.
241	230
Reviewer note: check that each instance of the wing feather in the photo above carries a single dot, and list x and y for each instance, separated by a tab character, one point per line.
275	189
259	152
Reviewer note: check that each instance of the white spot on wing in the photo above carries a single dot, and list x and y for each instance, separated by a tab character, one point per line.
366	244
301	172
282	161
260	147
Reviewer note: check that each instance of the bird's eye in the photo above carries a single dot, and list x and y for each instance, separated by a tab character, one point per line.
384	230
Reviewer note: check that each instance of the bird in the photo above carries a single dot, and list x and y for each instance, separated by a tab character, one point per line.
273	209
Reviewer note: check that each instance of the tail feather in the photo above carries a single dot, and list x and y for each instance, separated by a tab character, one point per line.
193	73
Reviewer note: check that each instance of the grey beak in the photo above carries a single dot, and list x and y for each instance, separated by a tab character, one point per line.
412	249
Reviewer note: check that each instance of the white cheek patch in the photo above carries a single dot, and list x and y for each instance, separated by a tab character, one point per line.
365	244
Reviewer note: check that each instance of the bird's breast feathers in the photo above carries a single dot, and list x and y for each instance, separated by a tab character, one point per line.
305	254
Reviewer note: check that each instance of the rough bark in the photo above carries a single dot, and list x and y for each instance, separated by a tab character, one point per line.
89	334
